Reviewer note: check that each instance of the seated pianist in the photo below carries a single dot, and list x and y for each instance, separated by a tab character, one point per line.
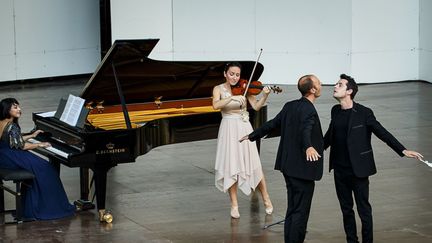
45	198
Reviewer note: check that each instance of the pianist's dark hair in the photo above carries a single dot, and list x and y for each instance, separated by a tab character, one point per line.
5	107
351	84
232	64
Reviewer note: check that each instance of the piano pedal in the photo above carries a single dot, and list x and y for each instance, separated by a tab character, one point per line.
83	205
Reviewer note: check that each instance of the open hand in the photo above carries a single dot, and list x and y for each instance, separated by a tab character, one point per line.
413	154
312	154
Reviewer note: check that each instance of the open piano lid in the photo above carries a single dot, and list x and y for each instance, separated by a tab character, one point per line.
143	79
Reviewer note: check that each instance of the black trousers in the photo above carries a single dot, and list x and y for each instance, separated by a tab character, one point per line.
348	184
300	193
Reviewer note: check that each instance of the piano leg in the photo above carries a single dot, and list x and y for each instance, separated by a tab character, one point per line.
100	179
84	183
83	203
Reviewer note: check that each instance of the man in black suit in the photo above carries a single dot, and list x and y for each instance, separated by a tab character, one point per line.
299	155
351	155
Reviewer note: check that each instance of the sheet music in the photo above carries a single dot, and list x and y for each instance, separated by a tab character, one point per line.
72	110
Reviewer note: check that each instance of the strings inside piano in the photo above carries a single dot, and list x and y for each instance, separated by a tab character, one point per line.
111	118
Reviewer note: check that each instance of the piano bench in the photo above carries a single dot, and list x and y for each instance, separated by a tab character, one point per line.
19	177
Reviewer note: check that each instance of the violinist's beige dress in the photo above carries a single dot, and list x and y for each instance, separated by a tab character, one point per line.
236	161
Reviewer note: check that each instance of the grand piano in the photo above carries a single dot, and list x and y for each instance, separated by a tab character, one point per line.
135	104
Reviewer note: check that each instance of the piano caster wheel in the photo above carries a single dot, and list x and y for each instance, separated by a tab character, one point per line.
83	205
105	216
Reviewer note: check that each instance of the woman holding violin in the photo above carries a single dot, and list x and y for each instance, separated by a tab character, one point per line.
237	164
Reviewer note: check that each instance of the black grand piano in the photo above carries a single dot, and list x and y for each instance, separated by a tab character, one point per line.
136	104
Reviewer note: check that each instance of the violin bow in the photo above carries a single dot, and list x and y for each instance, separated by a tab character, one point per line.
253	71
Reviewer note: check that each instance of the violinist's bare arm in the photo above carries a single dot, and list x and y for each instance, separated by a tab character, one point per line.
258	104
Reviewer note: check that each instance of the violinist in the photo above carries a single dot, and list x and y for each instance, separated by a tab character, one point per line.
237	164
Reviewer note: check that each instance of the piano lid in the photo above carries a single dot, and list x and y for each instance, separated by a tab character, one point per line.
143	79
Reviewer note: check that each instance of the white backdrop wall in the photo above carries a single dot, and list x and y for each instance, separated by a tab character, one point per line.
425	69
45	38
7	42
144	19
385	40
365	38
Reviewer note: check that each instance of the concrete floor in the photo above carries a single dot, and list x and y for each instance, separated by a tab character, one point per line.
168	194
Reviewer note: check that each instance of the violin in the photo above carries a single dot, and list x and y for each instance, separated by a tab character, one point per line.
255	87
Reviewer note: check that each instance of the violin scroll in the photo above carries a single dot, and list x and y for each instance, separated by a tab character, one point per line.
275	89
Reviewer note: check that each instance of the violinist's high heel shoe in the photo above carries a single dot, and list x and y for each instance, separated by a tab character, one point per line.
268	206
235	212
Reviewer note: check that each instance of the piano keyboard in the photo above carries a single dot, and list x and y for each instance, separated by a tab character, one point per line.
51	149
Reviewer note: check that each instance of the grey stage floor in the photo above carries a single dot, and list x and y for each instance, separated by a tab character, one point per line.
168	194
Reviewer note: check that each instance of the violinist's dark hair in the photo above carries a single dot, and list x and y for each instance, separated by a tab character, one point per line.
5	107
351	84
305	84
232	64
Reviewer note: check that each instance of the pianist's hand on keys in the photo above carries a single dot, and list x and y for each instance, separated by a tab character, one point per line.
48	147
44	145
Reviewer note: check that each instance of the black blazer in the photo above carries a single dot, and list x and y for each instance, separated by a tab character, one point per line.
362	123
300	128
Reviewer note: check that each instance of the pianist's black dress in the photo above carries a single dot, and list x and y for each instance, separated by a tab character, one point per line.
46	198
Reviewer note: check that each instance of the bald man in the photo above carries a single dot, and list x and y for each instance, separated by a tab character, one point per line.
299	155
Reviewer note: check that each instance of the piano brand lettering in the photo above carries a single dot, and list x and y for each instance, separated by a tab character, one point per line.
111	150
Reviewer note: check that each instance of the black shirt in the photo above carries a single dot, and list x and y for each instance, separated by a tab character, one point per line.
340	130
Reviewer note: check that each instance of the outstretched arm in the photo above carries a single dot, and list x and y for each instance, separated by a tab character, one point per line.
383	134
389	139
265	129
262	131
